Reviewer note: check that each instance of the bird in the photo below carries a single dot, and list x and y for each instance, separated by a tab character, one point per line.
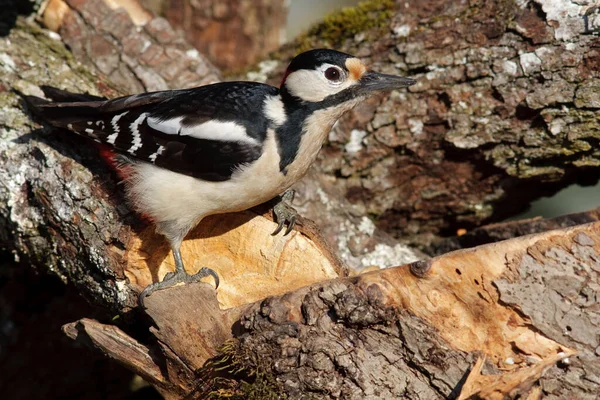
225	147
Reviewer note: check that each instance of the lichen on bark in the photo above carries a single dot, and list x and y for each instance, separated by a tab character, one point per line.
506	100
36	179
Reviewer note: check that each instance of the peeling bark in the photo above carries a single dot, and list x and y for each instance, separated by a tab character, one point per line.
525	309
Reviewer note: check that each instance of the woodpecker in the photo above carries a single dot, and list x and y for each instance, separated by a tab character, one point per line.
219	148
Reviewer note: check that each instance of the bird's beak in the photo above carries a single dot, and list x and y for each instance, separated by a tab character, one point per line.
374	81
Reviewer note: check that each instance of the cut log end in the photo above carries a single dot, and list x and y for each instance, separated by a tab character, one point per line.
251	263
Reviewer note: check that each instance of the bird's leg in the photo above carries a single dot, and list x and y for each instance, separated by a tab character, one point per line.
179	276
285	213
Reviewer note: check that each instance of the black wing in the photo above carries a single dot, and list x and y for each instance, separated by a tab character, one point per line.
206	132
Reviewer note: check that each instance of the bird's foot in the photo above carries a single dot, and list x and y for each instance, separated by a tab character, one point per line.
174	278
285	213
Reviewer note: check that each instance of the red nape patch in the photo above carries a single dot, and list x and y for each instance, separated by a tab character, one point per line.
109	156
287	73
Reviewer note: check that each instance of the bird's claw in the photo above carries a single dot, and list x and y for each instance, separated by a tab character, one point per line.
284	212
173	278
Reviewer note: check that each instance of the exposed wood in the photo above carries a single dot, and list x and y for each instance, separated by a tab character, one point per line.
62	207
115	343
412	331
506	230
351	234
251	263
520	308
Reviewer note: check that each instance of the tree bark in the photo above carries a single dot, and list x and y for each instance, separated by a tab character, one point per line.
504	109
231	33
121	40
525	309
351	234
415	331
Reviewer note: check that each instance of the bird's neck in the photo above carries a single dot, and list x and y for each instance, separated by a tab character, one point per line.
306	127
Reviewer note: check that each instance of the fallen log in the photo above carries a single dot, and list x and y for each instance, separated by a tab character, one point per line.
511	319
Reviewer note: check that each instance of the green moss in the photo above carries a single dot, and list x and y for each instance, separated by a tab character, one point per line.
346	23
333	31
236	374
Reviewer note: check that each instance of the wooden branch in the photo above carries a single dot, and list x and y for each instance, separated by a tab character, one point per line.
506	230
60	211
351	234
251	263
521	308
136	51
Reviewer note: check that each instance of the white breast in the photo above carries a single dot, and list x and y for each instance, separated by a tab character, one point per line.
169	196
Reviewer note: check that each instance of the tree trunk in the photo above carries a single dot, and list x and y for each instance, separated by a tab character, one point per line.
351	234
137	52
512	310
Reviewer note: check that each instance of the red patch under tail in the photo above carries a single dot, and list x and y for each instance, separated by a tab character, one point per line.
123	170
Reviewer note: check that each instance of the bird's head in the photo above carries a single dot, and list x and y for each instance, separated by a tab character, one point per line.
331	78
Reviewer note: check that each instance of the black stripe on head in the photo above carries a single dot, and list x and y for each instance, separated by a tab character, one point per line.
313	58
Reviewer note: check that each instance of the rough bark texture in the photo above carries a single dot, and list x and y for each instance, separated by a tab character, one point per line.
137	52
352	234
60	210
504	110
55	214
231	33
525	304
526	308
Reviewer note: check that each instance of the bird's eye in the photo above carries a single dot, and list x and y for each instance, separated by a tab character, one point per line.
333	74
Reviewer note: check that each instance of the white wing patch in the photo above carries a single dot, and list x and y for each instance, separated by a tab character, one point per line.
136	137
114	122
168	126
225	131
274	110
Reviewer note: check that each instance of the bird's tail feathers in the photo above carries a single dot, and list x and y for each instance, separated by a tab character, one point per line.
64	96
78	112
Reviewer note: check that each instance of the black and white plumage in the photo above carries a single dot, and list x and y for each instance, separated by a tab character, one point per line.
219	148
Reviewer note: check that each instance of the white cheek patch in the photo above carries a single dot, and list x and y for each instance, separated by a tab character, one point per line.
311	85
225	131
